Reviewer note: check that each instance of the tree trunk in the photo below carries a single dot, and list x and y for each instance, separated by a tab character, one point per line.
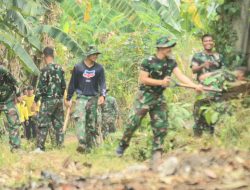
242	27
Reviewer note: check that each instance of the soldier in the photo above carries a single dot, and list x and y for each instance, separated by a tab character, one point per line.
88	81
109	115
8	90
50	90
154	77
204	64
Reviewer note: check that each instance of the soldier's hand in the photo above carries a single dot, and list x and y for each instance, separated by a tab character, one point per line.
207	64
101	100
68	104
166	82
199	88
212	64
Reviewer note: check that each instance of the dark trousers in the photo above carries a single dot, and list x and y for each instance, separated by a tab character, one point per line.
30	129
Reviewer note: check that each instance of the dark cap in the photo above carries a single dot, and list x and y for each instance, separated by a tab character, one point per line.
165	41
30	88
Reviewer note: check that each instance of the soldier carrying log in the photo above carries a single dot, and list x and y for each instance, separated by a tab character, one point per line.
154	77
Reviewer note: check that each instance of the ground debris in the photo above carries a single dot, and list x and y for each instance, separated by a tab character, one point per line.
208	169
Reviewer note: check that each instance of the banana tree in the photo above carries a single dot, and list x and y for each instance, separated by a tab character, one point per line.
124	16
21	30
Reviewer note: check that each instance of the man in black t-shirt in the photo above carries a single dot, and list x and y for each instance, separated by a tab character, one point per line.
88	81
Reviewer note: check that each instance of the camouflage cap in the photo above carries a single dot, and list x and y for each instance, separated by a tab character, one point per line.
92	50
165	41
30	88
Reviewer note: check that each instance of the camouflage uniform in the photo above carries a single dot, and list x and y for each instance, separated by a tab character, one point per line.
8	89
202	57
109	114
86	118
200	121
150	99
50	89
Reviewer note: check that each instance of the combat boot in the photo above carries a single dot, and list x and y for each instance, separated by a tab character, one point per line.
120	150
81	149
38	151
197	131
155	160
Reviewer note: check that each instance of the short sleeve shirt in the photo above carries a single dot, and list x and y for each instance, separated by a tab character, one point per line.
157	69
202	57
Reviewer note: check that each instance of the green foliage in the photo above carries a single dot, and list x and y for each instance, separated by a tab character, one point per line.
234	128
61	37
21	19
19	51
178	115
211	114
124	16
216	110
224	35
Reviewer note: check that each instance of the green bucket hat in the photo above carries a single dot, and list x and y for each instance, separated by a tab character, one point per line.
165	41
30	88
92	50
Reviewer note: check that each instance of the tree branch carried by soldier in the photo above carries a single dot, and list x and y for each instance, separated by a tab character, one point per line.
154	78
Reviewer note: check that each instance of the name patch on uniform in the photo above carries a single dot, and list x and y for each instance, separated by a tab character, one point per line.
88	74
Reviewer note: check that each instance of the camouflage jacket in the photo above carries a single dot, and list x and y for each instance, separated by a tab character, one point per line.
220	79
202	57
110	108
8	85
51	83
157	69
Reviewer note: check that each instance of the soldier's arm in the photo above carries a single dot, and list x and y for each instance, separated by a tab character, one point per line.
209	74
196	66
183	78
144	76
63	82
72	85
205	75
102	83
145	79
42	86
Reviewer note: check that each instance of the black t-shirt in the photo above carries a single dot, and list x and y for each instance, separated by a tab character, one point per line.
88	81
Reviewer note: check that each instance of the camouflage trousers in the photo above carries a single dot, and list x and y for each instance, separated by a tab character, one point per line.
14	125
108	126
200	121
156	106
86	121
51	115
106	122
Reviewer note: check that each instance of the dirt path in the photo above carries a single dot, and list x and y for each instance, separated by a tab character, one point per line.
208	169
